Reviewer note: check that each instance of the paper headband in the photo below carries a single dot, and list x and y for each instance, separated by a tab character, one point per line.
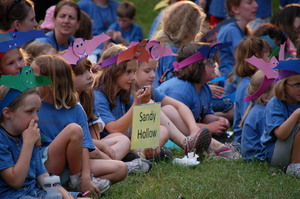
288	68
142	51
202	53
81	48
15	39
268	68
18	84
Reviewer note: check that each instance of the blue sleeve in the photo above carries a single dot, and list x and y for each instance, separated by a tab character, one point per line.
6	159
40	167
275	115
158	96
155	24
113	26
103	107
82	121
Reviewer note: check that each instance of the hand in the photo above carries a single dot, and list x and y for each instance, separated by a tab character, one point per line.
151	153
142	96
217	91
88	185
32	134
217	127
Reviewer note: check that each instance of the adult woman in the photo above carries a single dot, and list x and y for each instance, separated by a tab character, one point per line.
17	14
66	19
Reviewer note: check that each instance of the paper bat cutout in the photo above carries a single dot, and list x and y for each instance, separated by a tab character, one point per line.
204	52
266	67
18	39
81	48
138	52
18	84
24	80
109	61
158	51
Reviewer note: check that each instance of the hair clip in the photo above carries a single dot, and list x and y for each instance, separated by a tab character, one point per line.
81	48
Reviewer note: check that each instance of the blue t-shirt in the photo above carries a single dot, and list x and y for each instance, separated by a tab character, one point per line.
277	112
264	9
217	8
134	33
253	128
107	113
185	92
229	33
50	39
157	95
52	121
240	107
165	64
10	151
102	16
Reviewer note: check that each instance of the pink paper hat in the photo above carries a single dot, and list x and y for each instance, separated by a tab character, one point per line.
48	22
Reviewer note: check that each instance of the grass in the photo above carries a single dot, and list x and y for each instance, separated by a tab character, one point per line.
212	178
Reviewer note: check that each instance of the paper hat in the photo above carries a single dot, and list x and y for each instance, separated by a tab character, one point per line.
48	22
158	51
288	68
81	48
18	39
202	53
268	68
137	51
18	84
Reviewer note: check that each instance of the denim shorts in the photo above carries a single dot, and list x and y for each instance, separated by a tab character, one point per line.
221	105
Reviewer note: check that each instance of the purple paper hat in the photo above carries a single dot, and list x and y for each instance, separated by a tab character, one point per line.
202	53
48	22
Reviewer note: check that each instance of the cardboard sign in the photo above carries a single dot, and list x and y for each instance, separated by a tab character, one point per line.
145	126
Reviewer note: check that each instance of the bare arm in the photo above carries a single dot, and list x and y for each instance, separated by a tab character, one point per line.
123	123
285	129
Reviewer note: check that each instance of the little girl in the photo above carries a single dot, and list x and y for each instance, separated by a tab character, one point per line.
248	47
175	116
21	168
113	146
67	140
254	118
11	62
281	137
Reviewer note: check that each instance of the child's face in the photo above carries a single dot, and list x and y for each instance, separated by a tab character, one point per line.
145	73
29	22
125	80
246	10
209	74
292	86
297	25
265	56
66	22
84	81
21	117
12	62
125	22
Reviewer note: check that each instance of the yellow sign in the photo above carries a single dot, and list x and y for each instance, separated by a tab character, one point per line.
145	126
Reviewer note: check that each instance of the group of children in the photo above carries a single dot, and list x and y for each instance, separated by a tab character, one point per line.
72	116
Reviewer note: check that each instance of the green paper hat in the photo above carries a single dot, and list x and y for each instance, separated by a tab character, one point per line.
18	84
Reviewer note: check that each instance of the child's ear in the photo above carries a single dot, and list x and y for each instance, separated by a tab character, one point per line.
16	25
7	113
235	9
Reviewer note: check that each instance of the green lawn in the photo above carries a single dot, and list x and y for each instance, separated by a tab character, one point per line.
212	178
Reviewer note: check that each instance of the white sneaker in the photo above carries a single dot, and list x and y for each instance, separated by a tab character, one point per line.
138	165
293	169
102	184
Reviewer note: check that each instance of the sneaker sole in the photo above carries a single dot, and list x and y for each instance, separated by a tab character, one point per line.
102	191
203	141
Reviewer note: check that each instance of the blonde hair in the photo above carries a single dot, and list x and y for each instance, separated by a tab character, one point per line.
256	80
34	49
106	79
62	88
248	47
177	27
280	91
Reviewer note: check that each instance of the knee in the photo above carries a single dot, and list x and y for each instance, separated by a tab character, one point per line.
74	131
122	171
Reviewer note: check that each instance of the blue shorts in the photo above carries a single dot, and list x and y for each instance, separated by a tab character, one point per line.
221	105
